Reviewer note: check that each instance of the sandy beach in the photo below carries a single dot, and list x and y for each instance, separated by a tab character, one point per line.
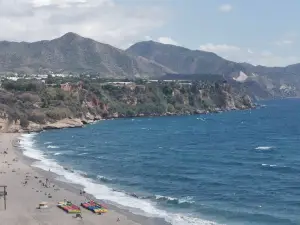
25	191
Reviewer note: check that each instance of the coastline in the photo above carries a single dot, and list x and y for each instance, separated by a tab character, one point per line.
25	202
80	123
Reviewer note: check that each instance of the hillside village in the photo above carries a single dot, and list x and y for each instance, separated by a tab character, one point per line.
68	86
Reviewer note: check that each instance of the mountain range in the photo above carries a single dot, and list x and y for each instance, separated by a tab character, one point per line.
73	53
260	81
148	59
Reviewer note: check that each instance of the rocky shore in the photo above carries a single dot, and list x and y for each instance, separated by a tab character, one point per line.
15	127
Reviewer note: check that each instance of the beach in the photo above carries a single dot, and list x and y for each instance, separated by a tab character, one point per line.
26	189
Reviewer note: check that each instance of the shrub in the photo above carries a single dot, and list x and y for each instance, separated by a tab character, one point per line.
171	108
7	98
37	117
29	97
23	85
130	113
24	121
58	113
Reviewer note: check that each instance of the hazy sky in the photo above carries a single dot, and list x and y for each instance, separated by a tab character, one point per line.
258	31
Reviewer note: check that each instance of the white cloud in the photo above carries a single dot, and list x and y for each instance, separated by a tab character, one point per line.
250	51
266	53
148	38
283	42
167	40
103	20
287	39
59	3
219	48
225	8
269	59
239	54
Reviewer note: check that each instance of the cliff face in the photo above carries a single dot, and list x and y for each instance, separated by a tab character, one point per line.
33	106
175	98
30	105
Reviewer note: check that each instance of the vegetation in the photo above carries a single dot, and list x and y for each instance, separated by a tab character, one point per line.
42	102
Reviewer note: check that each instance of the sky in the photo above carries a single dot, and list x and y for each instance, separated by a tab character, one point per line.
261	32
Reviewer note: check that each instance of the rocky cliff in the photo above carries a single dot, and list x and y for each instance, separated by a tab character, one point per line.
30	105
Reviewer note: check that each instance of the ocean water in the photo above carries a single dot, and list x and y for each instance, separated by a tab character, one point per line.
238	167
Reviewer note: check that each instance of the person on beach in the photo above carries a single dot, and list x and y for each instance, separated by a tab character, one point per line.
47	182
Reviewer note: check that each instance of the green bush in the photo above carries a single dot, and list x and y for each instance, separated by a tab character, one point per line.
37	117
24	122
58	113
29	97
23	85
171	108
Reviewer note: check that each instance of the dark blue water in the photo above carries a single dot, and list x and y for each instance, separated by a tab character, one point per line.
238	167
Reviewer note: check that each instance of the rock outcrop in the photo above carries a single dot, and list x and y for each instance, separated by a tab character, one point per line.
15	127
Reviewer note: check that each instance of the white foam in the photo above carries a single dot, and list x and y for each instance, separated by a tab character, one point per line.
26	141
164	197
52	146
84	153
103	178
182	200
264	148
57	153
187	199
139	206
81	173
268	165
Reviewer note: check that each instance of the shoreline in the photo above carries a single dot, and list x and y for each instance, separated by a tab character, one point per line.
33	193
79	123
76	188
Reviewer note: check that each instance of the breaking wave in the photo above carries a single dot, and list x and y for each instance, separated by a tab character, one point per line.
264	148
52	146
142	206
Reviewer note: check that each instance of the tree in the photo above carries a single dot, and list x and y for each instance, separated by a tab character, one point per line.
24	122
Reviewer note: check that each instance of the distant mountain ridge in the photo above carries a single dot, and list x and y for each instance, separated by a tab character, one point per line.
74	53
269	82
183	60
